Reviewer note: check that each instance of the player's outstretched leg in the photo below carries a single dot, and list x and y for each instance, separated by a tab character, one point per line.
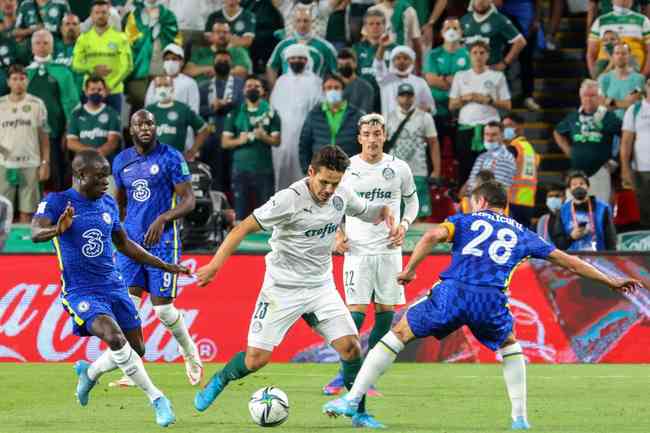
336	385
514	374
89	374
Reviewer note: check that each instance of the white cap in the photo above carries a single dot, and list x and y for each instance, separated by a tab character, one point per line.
175	49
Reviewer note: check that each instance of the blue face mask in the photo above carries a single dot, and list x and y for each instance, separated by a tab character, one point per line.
491	145
95	98
333	96
554	203
509	133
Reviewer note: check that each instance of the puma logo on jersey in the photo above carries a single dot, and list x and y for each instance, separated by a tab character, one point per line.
323	231
376	193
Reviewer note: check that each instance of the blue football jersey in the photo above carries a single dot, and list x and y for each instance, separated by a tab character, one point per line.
149	182
487	247
85	250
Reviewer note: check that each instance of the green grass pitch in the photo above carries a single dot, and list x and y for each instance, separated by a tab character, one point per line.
432	398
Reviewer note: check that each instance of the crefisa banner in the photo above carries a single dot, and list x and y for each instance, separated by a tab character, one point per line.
559	317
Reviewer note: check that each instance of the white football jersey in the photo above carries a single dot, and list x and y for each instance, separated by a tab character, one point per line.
304	234
385	182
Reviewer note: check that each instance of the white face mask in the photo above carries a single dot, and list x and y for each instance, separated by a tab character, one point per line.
554	203
451	35
333	96
164	93
491	145
172	67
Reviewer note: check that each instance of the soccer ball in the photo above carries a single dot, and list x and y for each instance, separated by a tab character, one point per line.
269	406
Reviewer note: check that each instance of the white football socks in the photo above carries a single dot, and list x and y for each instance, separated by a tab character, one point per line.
136	300
131	364
103	364
173	320
514	373
377	361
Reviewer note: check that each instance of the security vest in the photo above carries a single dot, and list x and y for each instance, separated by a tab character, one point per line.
524	184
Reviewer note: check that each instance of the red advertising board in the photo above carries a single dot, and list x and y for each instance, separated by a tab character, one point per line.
560	318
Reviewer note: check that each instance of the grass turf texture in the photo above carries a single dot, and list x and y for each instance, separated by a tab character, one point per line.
432	398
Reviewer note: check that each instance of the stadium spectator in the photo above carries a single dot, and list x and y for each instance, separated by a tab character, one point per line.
596	8
223	93
64	47
201	64
54	84
8	56
333	122
174	119
521	200
478	93
402	26
24	145
104	52
319	12
269	20
553	26
496	158
440	66
401	70
114	19
338	31
241	21
34	15
485	22
610	40
358	91
374	26
8	17
6	218
251	129
150	27
635	149
633	29
429	12
294	95
192	16
585	223
555	196
321	53
622	86
412	135
586	135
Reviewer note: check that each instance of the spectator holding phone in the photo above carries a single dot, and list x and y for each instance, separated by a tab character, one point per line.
621	86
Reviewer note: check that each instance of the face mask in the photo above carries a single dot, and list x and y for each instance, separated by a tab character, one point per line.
579	193
346	71
222	68
554	203
609	48
451	35
163	93
620	9
253	95
297	67
333	96
491	145
172	67
95	98
509	133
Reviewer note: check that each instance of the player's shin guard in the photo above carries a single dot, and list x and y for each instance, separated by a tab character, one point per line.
376	363
235	369
131	364
173	320
350	370
103	364
514	373
383	321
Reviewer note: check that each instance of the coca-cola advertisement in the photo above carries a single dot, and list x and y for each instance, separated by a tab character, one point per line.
559	317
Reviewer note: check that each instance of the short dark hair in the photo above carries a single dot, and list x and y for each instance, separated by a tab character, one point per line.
95	79
484	176
493	192
262	81
480	43
331	157
334	77
16	69
346	53
222	52
554	186
577	174
516	118
83	159
494	124
99	3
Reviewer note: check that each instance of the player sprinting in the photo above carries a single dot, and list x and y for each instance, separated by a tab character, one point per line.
154	190
487	246
298	281
371	263
83	223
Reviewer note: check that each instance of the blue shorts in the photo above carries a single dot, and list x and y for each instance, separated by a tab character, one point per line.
85	305
452	304
153	280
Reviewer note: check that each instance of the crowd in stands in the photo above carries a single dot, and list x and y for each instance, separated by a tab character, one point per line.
253	88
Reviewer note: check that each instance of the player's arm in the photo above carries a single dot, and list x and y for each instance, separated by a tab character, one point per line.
120	198
584	269
430	239
227	248
184	192
43	230
134	251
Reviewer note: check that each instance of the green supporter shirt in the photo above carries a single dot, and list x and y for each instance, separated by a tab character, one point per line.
46	87
322	53
93	129
173	121
62	55
50	15
255	155
423	9
496	27
606	6
242	24
443	63
590	138
204	56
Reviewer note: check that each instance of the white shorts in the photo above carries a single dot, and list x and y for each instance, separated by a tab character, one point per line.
369	279
277	309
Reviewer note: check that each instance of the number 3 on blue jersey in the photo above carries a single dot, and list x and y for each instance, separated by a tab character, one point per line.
499	250
94	247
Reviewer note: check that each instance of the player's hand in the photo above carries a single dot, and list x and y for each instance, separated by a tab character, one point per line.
154	232
405	277
397	239
341	246
204	275
387	217
65	220
578	232
385	40
43	172
177	269
625	285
